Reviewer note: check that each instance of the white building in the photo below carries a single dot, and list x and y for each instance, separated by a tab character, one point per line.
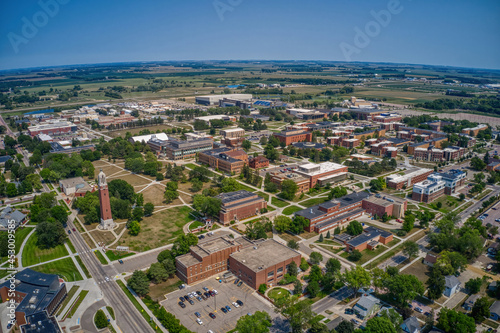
214	99
146	138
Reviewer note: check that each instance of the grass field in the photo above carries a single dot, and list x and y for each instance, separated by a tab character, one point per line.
278	202
71	292
65	268
21	234
367	254
159	229
290	210
313	201
83	267
448	203
158	291
278	293
77	303
263	195
70	245
101	258
115	255
32	254
111	312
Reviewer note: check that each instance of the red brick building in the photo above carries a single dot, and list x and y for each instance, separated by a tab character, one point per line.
350	143
239	205
322	173
253	262
258	162
290	136
224	159
369	239
55	127
379	205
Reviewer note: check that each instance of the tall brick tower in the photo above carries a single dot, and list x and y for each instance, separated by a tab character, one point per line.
106	217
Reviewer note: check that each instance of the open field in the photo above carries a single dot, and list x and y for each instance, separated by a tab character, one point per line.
154	194
158	291
65	268
290	210
32	254
367	254
278	202
105	237
159	229
419	269
313	201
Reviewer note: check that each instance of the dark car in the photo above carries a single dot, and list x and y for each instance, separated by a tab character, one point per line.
186	297
427	314
182	305
212	315
236	281
120	261
191	301
203	297
197	314
74	229
228	308
211	292
348	311
224	310
199	298
239	284
199	293
181	299
240	303
69	231
207	295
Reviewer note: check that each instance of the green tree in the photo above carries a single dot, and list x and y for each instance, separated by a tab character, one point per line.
196	185
11	190
164	255
288	189
50	234
138	214
100	319
357	277
169	265
333	266
171	192
139	283
262	288
298	313
404	287
321	238
292	243
354	228
60	214
148	209
297	287
345	327
355	255
157	273
282	223
259	322
229	184
328	234
409	222
313	288
452	321
436	283
317	327
134	228
380	325
246	145
292	269
481	309
315	258
410	249
474	285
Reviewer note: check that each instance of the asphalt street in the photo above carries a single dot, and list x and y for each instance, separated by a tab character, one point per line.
332	299
127	316
88	316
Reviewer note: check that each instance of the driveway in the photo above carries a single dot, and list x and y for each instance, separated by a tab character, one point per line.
88	316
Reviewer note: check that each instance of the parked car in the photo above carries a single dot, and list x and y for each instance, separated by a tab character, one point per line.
428	314
191	301
203	297
236	305
199	293
182	305
419	310
205	288
207	295
355	321
240	303
199	299
224	310
236	281
197	314
181	299
69	232
215	292
198	320
239	284
212	315
121	262
228	308
348	311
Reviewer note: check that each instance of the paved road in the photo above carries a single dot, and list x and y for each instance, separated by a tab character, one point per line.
467	212
332	299
127	316
88	317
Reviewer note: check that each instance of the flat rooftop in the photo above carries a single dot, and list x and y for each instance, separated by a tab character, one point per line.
266	254
313	169
385	200
347	200
402	178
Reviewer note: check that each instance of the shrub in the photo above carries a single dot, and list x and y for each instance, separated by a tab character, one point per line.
263	288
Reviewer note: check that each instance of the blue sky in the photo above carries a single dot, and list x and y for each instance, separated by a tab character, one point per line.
446	32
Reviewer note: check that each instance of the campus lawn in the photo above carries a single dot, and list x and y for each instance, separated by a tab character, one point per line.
21	234
159	229
290	210
447	201
367	254
32	254
263	195
278	202
115	255
278	293
313	201
65	268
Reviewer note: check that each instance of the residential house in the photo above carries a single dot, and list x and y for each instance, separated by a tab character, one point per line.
367	306
430	259
411	325
10	214
469	302
452	285
495	310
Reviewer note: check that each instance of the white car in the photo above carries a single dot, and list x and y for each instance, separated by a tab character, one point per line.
215	292
198	320
236	305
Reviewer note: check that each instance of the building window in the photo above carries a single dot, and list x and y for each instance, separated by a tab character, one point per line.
270	274
280	270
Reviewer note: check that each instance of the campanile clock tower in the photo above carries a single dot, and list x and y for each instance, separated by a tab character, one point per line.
106	216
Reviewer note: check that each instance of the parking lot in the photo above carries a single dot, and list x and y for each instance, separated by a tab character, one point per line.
227	294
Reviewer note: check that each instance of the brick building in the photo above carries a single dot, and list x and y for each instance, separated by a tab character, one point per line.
350	143
258	162
334	213
233	142
387	118
36	294
431	154
224	159
474	131
302	182
239	205
398	182
378	205
429	189
453	179
54	127
265	262
253	262
290	136
369	239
